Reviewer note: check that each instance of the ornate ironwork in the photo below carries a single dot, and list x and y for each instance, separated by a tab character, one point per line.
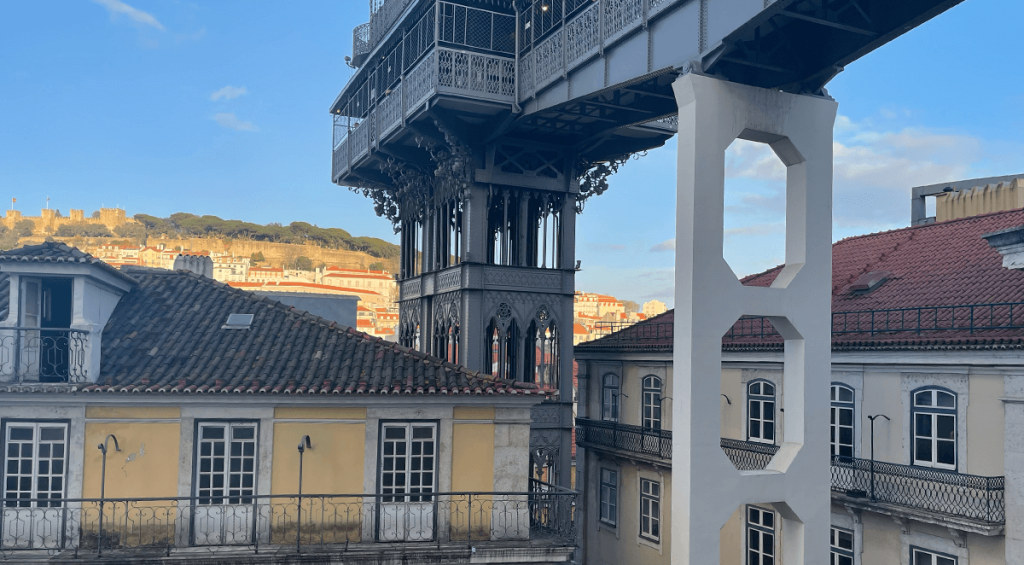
594	180
748	455
583	35
389	111
620	16
946	492
43	354
360	41
545	512
624	437
421	83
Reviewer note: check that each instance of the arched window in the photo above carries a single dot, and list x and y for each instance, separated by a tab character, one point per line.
542	357
503	348
841	426
652	402
610	398
761	412
933	419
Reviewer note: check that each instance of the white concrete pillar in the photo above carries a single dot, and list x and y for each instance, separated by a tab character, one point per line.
706	487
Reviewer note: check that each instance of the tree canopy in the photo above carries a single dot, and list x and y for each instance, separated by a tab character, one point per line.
183	224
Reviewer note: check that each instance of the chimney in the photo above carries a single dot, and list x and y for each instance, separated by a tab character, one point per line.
1009	243
199	264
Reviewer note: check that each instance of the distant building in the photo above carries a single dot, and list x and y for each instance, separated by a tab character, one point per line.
653	308
47	222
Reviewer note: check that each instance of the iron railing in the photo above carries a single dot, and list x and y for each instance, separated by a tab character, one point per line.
43	354
360	43
635	439
634	335
307	523
946	492
748	455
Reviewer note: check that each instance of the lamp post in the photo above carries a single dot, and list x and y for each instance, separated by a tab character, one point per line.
872	463
103	485
304	444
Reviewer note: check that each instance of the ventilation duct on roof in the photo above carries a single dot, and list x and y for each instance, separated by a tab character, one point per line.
1010	244
198	264
869	282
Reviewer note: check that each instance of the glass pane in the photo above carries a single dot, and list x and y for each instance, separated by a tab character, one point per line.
845	395
755	388
21	434
846	436
52	434
921	558
944	399
755	409
213	433
846	417
923	398
768	390
845	540
769	411
768	519
244	433
946	427
923	450
923	425
946	452
422	433
394	433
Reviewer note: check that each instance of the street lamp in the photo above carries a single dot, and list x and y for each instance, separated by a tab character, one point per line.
872	463
304	444
103	484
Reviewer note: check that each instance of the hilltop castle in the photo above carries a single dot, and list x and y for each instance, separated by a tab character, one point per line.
47	222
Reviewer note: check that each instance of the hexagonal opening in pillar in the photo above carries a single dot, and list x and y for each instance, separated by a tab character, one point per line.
754	212
753	534
753	419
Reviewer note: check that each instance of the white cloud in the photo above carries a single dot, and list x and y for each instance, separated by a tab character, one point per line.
117	8
667	245
228	93
229	120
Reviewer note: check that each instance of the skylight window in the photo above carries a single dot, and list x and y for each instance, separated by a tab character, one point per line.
869	282
238	322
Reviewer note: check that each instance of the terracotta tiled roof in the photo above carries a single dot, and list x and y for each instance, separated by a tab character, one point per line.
56	252
934	265
165	336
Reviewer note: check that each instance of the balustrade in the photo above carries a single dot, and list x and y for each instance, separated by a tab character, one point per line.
43	354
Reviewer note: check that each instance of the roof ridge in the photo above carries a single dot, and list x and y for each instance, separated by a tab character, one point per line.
930	225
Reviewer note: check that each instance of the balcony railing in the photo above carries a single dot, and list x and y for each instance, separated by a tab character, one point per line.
292	523
945	492
967	496
748	455
635	439
43	354
443	70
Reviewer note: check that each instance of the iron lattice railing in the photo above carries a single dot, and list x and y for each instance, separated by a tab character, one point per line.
635	439
43	354
748	455
946	492
308	523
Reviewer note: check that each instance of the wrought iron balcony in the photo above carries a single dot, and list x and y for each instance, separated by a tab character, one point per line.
360	44
634	439
441	71
310	524
55	355
945	492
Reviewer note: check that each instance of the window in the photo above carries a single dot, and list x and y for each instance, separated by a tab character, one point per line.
761	412
934	423
34	463
609	497
760	536
407	461
226	462
652	403
610	398
841	546
650	510
925	557
841	427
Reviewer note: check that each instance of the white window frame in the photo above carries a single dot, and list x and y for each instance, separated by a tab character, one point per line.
761	523
651	414
933	414
608	496
407	492
650	510
248	452
761	401
836	426
35	471
839	555
610	405
934	557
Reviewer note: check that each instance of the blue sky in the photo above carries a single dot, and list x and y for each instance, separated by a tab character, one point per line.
162	106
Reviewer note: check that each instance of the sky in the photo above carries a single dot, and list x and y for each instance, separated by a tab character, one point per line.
164	106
